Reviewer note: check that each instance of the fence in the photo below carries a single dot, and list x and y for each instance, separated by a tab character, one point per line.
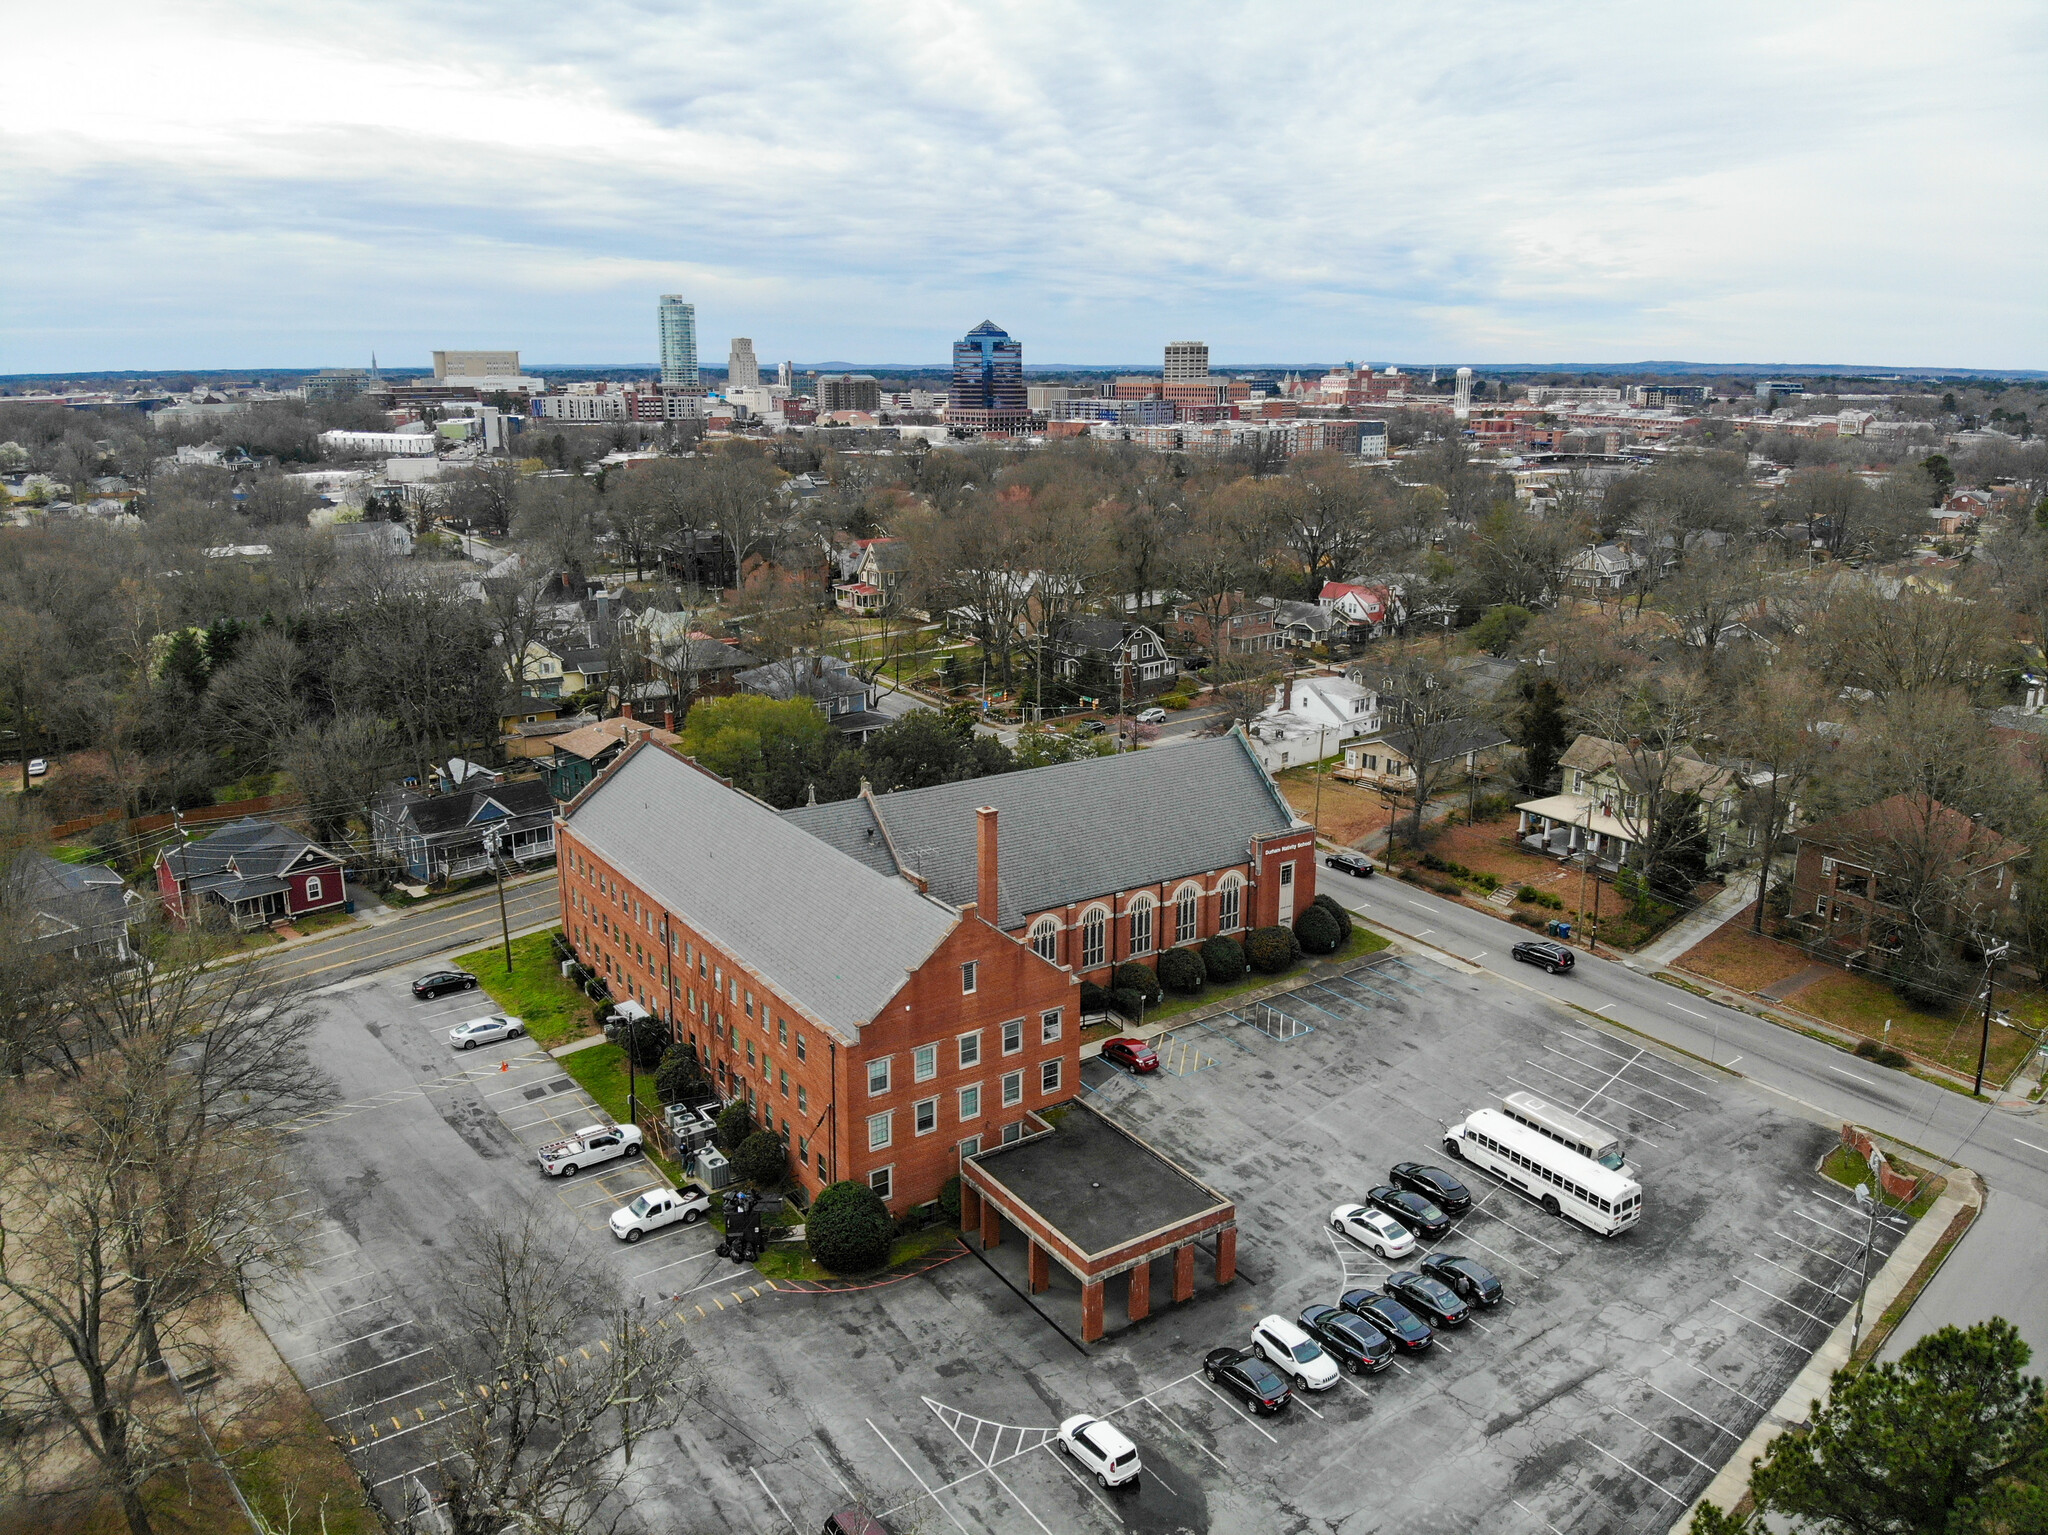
141	826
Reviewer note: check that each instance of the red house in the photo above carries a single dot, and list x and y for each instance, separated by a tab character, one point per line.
258	872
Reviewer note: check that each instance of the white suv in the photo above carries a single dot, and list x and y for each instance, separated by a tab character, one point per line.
1100	1447
1374	1229
658	1208
1295	1354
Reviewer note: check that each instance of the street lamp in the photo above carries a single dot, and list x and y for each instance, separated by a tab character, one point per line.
1868	1205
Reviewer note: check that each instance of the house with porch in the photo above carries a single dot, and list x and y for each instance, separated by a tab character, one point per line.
846	699
1131	656
1602	568
1387	759
84	910
877	575
1605	805
1359	612
1301	624
1311	718
1241	627
439	837
254	873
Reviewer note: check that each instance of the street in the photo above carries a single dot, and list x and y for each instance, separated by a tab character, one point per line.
442	928
2008	1148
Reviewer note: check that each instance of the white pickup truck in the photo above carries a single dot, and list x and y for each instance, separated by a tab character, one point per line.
588	1147
658	1208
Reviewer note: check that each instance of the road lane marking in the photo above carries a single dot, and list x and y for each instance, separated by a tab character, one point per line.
2032	1147
1853	1076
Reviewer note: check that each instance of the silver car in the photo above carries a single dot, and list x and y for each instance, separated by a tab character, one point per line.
485	1031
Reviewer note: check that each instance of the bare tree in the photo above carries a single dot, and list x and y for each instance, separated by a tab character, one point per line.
1651	728
340	766
1715	587
1427	718
1909	642
1773	719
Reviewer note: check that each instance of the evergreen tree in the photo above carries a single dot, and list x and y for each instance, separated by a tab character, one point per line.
1544	733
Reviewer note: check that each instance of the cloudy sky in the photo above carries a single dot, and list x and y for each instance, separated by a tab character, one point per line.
193	185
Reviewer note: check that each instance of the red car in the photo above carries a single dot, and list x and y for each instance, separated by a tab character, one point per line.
1131	1054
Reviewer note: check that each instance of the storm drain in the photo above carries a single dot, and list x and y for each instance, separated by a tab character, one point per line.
561	1086
534	1092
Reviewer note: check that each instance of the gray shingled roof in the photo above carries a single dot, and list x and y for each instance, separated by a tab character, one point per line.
1071	831
837	939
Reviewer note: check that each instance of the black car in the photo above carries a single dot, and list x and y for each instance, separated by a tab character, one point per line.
1477	1283
1434	1185
1419	1215
1408	1331
1247	1376
441	982
1350	863
1348	1338
1554	957
1430	1299
1091	727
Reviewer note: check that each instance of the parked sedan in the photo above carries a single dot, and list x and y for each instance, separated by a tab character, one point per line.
1419	1215
1101	1447
1373	1229
1348	1338
1430	1299
1434	1185
1473	1280
1346	862
1247	1376
485	1031
1554	957
441	982
1410	1333
1131	1054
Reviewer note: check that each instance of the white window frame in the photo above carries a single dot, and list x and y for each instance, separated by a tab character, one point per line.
881	1130
970	1147
1012	1035
1230	904
972	1090
1287	874
1013	1132
881	1061
1049	1024
1045	939
924	1116
1187	915
883	1181
924	1063
969	1046
314	887
1050	1074
1013	1089
970	976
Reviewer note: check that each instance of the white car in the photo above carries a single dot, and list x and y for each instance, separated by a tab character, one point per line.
1294	1354
1374	1229
1102	1448
588	1147
1154	716
485	1031
658	1208
37	766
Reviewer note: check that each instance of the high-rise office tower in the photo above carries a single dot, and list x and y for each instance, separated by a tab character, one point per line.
988	381
741	370
678	341
1186	360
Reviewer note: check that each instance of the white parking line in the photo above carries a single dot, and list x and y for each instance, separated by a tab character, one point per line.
1817	1252
1234	1411
1634	1060
1175	1424
1632	1471
1597	1042
1060	1460
1837	1230
1525	1508
1134	1401
1639	1423
1723	1428
1731	1064
1802	1278
1418	905
2031	1146
369	1369
1301	1401
346	1342
776	1501
907	1466
1853	1076
350	1412
1476	958
1703	1375
1784	1302
1756	1324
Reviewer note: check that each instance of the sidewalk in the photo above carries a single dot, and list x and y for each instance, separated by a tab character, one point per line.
1695	929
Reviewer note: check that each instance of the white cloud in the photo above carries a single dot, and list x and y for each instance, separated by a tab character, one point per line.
261	185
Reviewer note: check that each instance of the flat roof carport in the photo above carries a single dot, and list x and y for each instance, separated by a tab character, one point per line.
1090	1194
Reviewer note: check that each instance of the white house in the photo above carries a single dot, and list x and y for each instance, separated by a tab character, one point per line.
1311	718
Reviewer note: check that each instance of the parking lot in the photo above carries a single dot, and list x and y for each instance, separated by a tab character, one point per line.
1622	1373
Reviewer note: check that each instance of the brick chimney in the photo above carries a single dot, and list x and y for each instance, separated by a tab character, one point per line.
668	721
985	864
625	711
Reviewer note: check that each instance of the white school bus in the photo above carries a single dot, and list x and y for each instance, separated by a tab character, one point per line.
1546	1172
1583	1136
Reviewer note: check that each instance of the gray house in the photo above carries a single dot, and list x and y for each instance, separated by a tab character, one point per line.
437	837
76	909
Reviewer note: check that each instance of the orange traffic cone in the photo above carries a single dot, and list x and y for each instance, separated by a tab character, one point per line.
504	1065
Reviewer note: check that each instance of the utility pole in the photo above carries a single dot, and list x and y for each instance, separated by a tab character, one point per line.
1869	1205
1992	954
1320	731
497	846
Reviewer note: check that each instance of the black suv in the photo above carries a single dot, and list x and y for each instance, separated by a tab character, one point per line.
1433	1184
1554	957
1418	1214
1349	863
1430	1299
1246	1376
1348	1338
1477	1283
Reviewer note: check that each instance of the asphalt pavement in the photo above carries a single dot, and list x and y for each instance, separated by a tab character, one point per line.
412	934
1993	1272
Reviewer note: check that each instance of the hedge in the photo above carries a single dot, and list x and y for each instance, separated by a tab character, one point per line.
763	1160
1270	950
949	1199
1223	959
1128	1002
1339	912
1318	931
678	1076
1180	970
1131	976
735	1124
848	1228
1094	999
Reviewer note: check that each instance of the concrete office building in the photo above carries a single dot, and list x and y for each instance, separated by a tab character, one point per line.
741	369
1187	360
848	391
449	365
678	342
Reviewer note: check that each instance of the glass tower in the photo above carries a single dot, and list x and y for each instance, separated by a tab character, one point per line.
678	341
988	379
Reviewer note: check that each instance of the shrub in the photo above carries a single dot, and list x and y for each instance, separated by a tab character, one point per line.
647	1039
1528	893
734	1125
1130	1003
1431	861
1175	701
1317	930
848	1228
678	1076
949	1199
1223	959
1449	887
1132	976
1270	950
1094	999
1528	919
1180	970
1487	882
1871	1050
1338	911
763	1160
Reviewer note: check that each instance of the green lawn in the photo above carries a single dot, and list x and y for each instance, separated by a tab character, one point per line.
1846	1166
792	1260
554	1009
601	1071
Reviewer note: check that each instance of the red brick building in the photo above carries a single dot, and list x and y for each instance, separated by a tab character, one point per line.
1102	860
881	1031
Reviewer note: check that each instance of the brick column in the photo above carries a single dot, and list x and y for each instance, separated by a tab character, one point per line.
1140	1305
991	1225
970	1206
1091	1311
1184	1273
1038	1265
1226	1255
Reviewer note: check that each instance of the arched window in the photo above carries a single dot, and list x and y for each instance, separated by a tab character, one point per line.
1184	921
1141	925
1045	938
1229	910
313	887
1094	938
